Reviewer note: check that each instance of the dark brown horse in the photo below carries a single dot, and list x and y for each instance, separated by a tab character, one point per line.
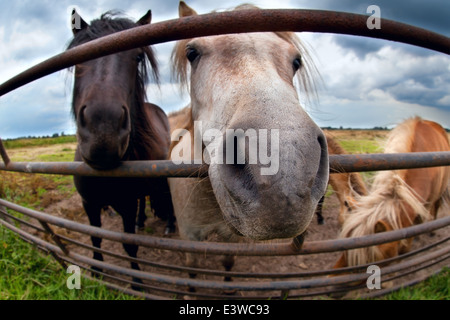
115	124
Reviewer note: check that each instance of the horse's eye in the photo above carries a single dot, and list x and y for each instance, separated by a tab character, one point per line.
192	54
297	63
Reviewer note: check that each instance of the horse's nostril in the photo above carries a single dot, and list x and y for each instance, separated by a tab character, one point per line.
82	117
238	154
321	180
125	119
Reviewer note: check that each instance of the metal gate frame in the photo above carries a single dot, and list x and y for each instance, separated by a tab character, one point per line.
162	285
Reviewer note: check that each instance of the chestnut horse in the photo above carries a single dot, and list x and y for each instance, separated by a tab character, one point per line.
115	124
245	82
345	185
399	198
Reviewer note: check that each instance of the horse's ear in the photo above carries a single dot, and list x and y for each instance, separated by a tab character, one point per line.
77	22
184	10
146	19
381	226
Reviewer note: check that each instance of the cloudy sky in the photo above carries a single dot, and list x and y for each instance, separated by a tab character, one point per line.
365	82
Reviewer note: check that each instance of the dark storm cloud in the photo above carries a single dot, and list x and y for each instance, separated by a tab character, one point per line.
426	83
432	15
360	46
416	92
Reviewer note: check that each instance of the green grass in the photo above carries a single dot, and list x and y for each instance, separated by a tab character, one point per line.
29	274
65	155
35	191
38	142
32	191
434	288
360	146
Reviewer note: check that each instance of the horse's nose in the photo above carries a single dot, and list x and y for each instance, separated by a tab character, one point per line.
103	134
122	117
91	119
277	190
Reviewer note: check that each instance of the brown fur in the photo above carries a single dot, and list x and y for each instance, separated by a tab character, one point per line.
346	185
399	198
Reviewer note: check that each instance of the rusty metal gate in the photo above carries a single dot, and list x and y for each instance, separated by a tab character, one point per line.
167	280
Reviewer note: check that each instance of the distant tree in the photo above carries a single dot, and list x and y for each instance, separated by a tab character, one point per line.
55	135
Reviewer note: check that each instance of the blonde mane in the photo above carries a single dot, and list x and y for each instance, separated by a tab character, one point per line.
307	75
386	201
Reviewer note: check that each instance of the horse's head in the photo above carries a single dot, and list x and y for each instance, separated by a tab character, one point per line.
375	253
389	206
244	83
107	91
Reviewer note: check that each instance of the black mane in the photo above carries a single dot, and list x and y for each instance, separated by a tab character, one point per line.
110	22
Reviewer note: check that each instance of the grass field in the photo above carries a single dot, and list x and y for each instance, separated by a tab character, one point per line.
27	273
29	143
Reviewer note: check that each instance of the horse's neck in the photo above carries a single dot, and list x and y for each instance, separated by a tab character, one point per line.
149	139
357	183
195	205
197	211
181	119
340	184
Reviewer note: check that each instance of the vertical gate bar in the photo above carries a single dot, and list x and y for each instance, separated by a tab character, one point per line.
54	237
59	260
4	154
298	241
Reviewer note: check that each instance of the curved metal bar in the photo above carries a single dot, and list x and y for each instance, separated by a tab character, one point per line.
387	161
238	285
252	249
166	168
231	22
232	273
129	169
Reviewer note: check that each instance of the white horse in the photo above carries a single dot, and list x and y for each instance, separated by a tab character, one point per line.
245	81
